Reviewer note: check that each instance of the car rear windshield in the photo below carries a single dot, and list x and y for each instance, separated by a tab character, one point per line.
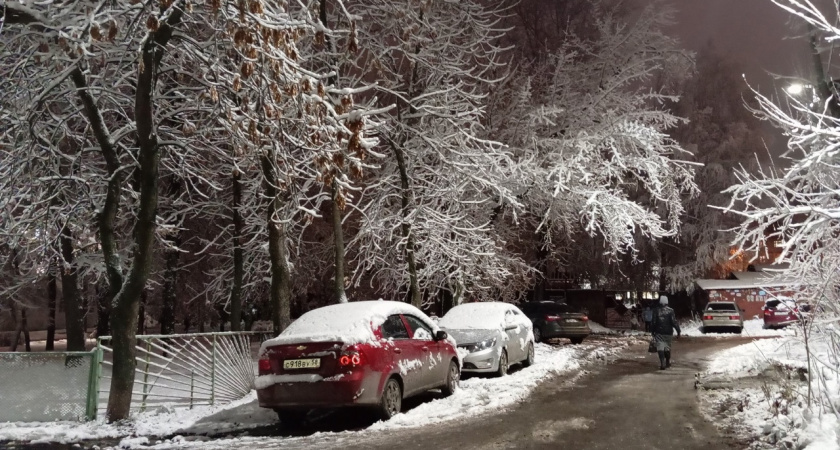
721	307
556	308
779	304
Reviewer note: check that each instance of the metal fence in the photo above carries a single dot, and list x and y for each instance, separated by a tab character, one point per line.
187	369
39	387
182	370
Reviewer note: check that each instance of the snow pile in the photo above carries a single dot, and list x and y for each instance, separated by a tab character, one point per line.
766	393
758	356
482	395
752	327
597	328
350	323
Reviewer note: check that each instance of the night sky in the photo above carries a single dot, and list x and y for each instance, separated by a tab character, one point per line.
756	32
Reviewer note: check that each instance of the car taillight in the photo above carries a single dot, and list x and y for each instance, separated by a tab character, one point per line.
552	318
707	317
734	317
350	359
264	366
584	318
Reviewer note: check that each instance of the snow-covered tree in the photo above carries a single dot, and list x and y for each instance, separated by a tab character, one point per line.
592	138
721	134
425	214
797	207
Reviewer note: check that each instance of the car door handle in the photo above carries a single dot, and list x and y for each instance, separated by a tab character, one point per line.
397	350
425	349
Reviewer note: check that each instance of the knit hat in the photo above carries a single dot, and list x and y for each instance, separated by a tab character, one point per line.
663	300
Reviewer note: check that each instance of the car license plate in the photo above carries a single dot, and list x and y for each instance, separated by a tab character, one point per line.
781	313
312	363
572	320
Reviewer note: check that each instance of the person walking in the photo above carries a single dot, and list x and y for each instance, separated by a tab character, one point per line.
647	316
662	328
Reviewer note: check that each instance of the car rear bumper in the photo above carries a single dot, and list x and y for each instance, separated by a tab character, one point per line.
778	323
342	392
722	323
555	330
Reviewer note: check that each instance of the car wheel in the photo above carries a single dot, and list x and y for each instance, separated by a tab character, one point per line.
576	341
391	402
537	335
503	364
290	417
452	379
703	330
529	360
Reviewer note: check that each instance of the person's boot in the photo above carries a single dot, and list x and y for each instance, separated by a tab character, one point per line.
667	358
661	360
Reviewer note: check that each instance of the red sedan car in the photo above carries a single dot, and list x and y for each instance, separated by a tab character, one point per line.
371	353
780	312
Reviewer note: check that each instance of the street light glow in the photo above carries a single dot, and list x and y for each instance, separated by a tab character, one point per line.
795	88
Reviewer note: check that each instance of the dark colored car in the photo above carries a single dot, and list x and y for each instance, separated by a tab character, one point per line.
373	354
554	320
781	312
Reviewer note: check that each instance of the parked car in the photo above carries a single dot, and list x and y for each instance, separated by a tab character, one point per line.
492	335
556	320
722	316
781	312
370	353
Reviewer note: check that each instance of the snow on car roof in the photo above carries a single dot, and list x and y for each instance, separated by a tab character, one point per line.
475	316
350	323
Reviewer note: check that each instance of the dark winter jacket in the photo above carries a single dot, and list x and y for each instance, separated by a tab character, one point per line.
664	321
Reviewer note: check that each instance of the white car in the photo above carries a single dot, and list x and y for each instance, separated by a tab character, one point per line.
491	336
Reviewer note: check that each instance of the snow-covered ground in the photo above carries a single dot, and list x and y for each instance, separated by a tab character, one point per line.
752	327
597	328
477	396
760	390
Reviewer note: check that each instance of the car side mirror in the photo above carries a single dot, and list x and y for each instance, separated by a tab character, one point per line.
441	335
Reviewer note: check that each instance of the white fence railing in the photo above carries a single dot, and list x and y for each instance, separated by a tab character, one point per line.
180	370
187	369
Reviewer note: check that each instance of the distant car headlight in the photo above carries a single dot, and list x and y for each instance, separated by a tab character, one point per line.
483	345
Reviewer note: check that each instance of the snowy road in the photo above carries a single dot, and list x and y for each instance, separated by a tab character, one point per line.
626	405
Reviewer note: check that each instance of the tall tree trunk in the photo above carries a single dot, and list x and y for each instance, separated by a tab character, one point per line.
280	292
24	324
238	256
18	326
73	318
542	267
338	238
127	301
405	196
52	293
338	232
169	295
141	314
103	309
172	258
663	280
